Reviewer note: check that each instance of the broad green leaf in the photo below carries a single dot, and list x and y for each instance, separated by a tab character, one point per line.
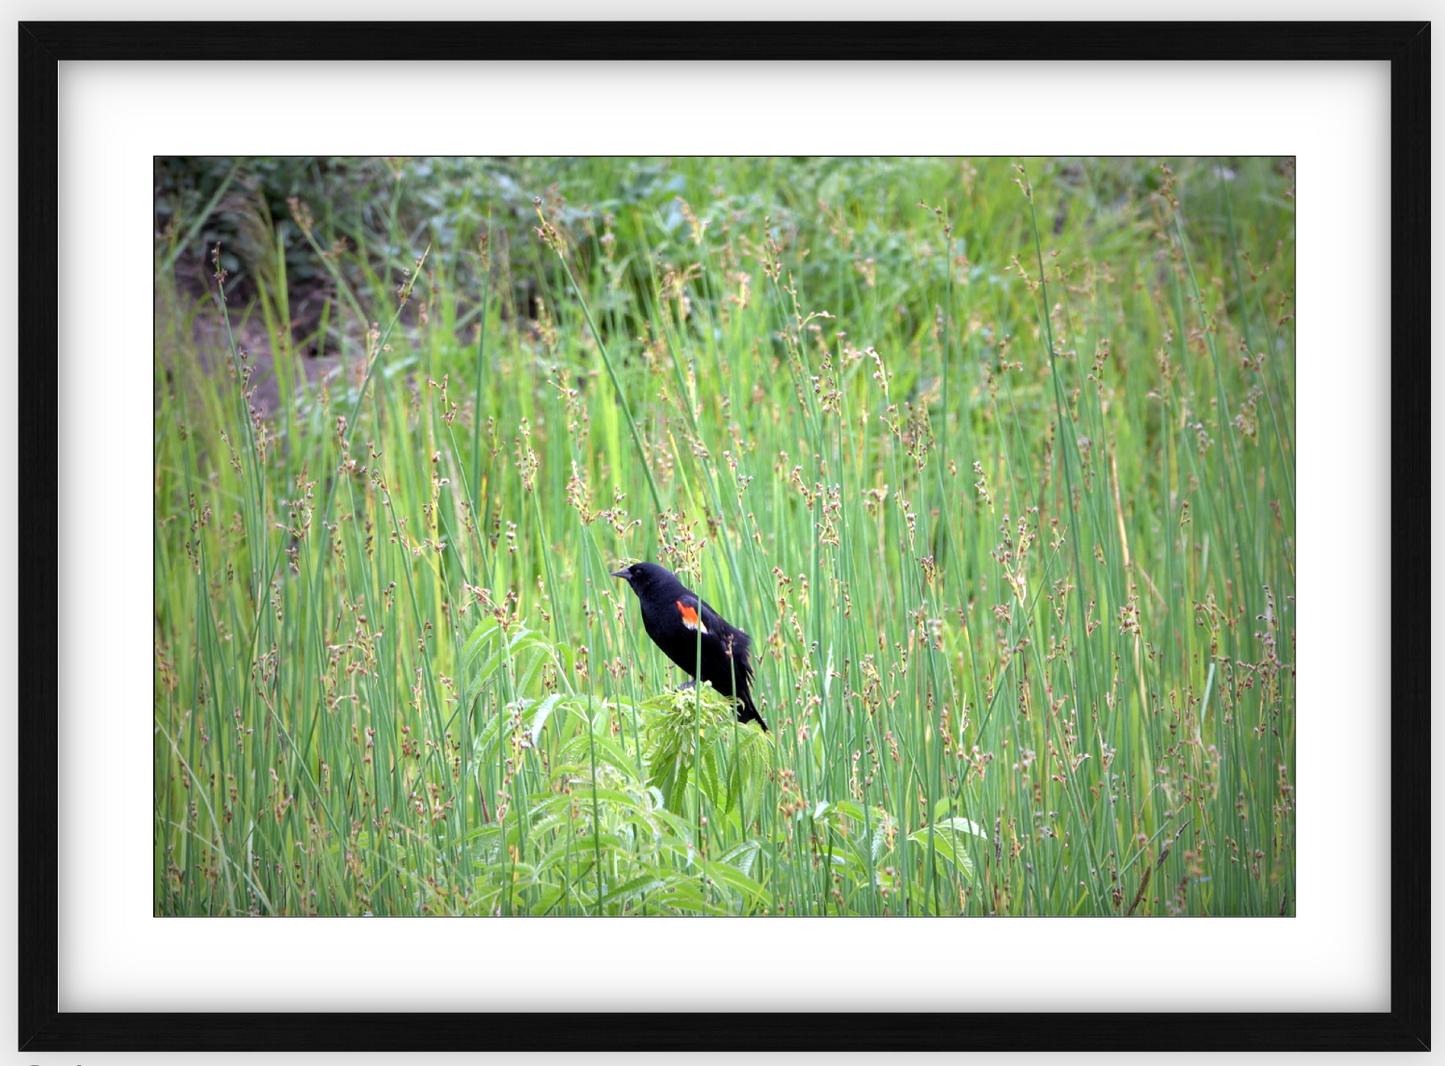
539	717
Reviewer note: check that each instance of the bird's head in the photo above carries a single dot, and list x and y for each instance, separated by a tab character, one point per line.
643	576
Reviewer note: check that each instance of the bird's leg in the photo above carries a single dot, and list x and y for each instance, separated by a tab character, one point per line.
687	684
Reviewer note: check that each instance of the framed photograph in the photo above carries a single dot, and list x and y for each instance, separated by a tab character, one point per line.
884	473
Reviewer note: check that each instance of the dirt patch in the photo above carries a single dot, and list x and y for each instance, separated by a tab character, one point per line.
190	332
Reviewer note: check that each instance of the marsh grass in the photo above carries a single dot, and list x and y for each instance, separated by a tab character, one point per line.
993	460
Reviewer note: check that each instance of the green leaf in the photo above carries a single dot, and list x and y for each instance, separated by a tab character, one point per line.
548	898
636	888
947	839
743	855
723	873
539	719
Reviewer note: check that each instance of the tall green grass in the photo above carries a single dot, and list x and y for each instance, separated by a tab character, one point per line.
993	459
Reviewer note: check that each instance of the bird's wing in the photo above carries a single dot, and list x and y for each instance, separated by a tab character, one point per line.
688	607
710	618
719	627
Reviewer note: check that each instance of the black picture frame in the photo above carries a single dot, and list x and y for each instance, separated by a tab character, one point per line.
43	1028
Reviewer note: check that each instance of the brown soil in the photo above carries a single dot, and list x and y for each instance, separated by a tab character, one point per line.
189	328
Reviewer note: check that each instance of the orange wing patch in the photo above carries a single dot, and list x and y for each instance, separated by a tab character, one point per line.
689	617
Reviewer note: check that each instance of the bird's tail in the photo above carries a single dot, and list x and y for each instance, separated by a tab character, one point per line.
749	713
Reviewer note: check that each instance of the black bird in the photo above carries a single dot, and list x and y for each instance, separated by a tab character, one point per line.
672	614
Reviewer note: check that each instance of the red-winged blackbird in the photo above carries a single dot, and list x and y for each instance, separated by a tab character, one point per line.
672	614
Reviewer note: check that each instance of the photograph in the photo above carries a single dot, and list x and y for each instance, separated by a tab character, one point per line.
608	536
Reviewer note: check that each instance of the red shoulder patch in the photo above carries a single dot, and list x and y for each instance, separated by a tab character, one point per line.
689	617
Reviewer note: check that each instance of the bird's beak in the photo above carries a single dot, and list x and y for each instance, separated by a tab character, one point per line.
621	573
